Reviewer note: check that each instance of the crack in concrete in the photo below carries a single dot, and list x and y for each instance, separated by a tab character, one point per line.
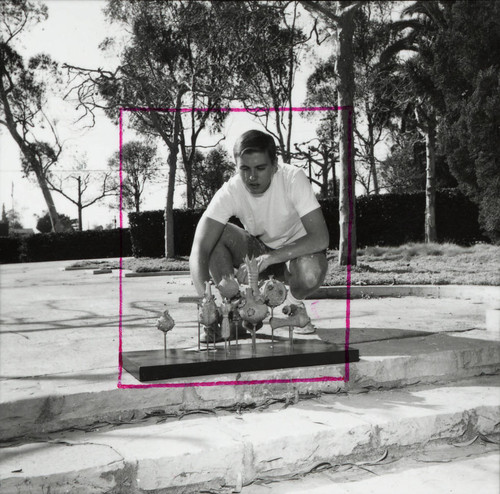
86	443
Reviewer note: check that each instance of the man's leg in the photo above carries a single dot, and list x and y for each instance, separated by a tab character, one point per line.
230	251
306	274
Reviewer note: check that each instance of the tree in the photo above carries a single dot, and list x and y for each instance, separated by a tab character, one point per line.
271	51
178	53
371	111
320	152
466	70
210	171
403	170
321	91
422	96
14	219
23	97
140	166
85	182
371	37
44	225
341	15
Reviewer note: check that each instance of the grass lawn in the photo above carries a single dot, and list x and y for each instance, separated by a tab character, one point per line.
410	264
420	264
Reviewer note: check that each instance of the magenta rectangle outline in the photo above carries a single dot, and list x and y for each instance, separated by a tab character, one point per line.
349	242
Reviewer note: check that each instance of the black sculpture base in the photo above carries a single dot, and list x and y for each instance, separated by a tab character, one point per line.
152	365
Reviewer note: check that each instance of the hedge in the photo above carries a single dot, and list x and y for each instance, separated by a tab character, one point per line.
147	232
395	219
4	228
10	249
387	219
88	244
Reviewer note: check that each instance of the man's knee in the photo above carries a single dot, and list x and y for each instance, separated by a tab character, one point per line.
308	273
230	235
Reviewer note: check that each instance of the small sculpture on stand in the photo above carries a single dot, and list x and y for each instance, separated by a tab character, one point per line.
253	309
228	287
274	293
250	307
165	323
208	313
225	325
297	316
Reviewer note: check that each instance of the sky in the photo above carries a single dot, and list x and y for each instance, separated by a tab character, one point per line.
72	34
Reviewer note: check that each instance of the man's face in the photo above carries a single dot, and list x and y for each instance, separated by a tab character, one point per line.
256	170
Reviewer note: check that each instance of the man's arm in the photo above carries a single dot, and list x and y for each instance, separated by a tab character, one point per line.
206	236
315	240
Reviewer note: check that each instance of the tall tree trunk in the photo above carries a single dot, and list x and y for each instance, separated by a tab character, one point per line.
173	147
324	174
189	184
30	156
79	204
347	199
372	155
49	201
430	185
169	206
334	179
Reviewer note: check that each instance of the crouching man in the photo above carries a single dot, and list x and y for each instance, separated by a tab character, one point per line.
284	225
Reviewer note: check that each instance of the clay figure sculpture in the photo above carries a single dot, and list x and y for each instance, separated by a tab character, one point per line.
228	287
208	310
225	326
253	276
208	313
297	316
274	293
253	310
165	323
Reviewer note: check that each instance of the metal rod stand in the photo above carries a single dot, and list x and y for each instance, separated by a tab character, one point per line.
235	322
272	329
254	342
199	326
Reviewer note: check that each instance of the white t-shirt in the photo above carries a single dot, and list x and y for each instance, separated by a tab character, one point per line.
274	216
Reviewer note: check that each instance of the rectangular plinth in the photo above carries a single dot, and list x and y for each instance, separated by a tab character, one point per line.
153	365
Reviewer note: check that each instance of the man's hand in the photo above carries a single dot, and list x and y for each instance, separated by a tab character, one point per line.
242	274
264	261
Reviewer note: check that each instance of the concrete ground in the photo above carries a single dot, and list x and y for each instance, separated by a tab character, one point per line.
59	344
55	321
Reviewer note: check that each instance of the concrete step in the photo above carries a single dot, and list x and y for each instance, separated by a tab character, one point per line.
221	450
31	407
427	470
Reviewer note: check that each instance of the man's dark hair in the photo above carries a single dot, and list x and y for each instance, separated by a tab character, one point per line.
255	141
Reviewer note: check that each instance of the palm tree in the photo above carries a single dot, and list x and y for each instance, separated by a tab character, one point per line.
420	95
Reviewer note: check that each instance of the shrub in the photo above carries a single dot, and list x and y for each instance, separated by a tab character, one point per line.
89	244
147	230
44	225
